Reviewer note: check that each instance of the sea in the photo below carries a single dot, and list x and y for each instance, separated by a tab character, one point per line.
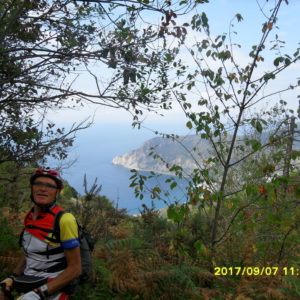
93	152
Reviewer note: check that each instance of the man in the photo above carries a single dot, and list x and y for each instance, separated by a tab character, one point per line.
49	263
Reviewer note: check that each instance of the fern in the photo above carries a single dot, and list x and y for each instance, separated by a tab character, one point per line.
168	283
291	286
200	276
127	243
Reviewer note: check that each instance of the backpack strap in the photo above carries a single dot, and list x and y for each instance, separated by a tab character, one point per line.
56	228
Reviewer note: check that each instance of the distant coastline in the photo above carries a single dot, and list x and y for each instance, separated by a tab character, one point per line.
186	152
142	170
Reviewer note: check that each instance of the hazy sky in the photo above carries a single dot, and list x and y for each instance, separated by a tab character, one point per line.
219	12
111	134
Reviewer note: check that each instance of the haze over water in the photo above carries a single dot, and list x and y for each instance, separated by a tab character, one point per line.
95	148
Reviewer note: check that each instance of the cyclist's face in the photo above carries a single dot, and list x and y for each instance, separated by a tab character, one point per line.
44	190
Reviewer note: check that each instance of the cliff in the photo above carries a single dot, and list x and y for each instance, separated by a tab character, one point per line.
173	151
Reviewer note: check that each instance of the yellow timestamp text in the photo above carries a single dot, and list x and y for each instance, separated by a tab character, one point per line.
256	271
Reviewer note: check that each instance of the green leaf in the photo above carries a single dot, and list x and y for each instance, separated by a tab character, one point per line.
268	76
173	214
200	247
278	60
169	57
256	145
239	17
251	189
224	55
257	125
173	185
287	61
189	125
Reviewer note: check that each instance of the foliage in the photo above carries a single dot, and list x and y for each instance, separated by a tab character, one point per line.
242	206
96	213
146	261
26	141
250	149
47	46
8	238
13	186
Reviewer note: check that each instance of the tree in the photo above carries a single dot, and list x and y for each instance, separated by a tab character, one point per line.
26	141
47	46
218	95
235	87
95	212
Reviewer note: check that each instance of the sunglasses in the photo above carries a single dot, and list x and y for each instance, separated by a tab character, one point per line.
46	185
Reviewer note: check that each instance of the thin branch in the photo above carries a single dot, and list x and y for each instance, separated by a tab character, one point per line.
283	243
233	218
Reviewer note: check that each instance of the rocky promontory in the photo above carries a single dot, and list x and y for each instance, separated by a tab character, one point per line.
184	151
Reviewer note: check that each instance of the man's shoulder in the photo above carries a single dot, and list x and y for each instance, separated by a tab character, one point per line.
67	218
62	214
68	231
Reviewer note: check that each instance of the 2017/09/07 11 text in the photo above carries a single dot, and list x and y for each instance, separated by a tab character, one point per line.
256	271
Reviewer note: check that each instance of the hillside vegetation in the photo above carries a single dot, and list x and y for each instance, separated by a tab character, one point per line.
154	257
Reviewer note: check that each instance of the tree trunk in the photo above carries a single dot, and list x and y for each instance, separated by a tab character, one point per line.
289	149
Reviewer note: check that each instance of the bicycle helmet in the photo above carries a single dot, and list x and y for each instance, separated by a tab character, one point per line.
47	173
